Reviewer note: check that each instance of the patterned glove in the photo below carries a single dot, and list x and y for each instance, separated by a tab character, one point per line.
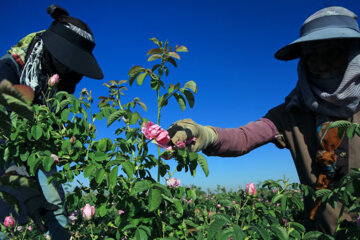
186	129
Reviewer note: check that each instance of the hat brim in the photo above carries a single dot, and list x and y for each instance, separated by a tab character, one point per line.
77	59
293	50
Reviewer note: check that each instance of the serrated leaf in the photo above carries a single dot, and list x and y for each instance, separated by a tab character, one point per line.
191	85
128	168
16	105
350	132
140	186
153	51
140	234
65	115
312	235
181	49
115	116
36	132
154	57
156	41
215	227
174	55
113	177
279	232
172	61
181	101
143	106
47	162
299	227
100	176
89	170
154	199
203	164
140	78
190	97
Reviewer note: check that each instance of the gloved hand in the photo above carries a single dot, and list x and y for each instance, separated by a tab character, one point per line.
186	129
34	201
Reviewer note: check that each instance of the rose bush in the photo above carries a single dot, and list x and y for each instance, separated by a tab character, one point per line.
123	200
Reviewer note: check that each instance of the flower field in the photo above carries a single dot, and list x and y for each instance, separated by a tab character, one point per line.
123	200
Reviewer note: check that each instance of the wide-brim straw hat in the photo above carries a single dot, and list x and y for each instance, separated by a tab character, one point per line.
326	24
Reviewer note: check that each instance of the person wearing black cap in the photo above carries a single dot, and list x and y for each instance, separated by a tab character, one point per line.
328	89
65	48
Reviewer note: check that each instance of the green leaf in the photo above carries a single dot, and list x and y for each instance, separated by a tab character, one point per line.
133	118
203	164
299	227
191	85
172	61
100	176
33	162
154	199
113	177
350	132
215	227
163	189
181	101
140	186
277	197
181	49
312	235
178	206
154	57
140	234
134	72
36	132
190	97
279	232
16	105
65	115
157	42
103	210
47	162
115	116
89	170
153	51
140	78
174	55
128	168
143	106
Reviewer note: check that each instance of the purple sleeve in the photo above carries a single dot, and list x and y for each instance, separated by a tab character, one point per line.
238	141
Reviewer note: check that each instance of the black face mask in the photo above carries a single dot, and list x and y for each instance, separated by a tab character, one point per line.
68	78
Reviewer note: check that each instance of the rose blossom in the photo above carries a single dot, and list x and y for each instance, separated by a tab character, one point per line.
9	221
56	158
172	182
121	212
250	188
29	228
151	130
53	80
88	211
163	138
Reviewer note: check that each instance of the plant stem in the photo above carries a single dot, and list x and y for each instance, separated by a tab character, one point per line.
339	218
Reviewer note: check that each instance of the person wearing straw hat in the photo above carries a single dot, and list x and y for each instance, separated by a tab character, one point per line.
65	49
328	89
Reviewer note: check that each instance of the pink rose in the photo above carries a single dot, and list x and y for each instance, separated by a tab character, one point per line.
53	80
250	188
121	212
29	228
88	211
163	138
9	221
56	158
172	182
233	202
151	130
218	206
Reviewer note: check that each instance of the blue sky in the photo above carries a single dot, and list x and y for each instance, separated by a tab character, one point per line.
231	58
